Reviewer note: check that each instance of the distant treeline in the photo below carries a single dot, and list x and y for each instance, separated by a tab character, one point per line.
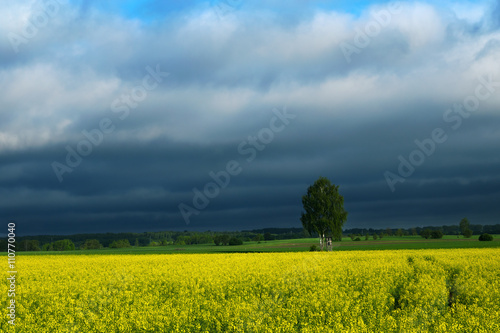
163	238
159	238
477	229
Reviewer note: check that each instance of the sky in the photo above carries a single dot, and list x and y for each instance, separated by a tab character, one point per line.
133	116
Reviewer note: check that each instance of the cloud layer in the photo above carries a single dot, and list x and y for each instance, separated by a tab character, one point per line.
68	68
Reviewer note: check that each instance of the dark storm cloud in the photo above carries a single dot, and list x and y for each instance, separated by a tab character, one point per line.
226	75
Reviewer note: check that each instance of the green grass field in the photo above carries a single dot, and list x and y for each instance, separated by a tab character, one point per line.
297	245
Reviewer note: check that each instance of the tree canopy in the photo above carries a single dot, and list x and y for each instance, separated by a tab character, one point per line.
465	228
324	210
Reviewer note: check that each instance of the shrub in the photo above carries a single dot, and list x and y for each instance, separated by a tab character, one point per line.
357	239
486	238
313	248
375	237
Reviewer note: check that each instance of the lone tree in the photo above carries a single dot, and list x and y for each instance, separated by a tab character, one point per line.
465	228
324	210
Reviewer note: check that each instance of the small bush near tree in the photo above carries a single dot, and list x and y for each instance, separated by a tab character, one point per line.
357	239
486	238
375	237
313	248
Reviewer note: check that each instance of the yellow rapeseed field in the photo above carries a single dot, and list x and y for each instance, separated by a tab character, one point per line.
359	291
